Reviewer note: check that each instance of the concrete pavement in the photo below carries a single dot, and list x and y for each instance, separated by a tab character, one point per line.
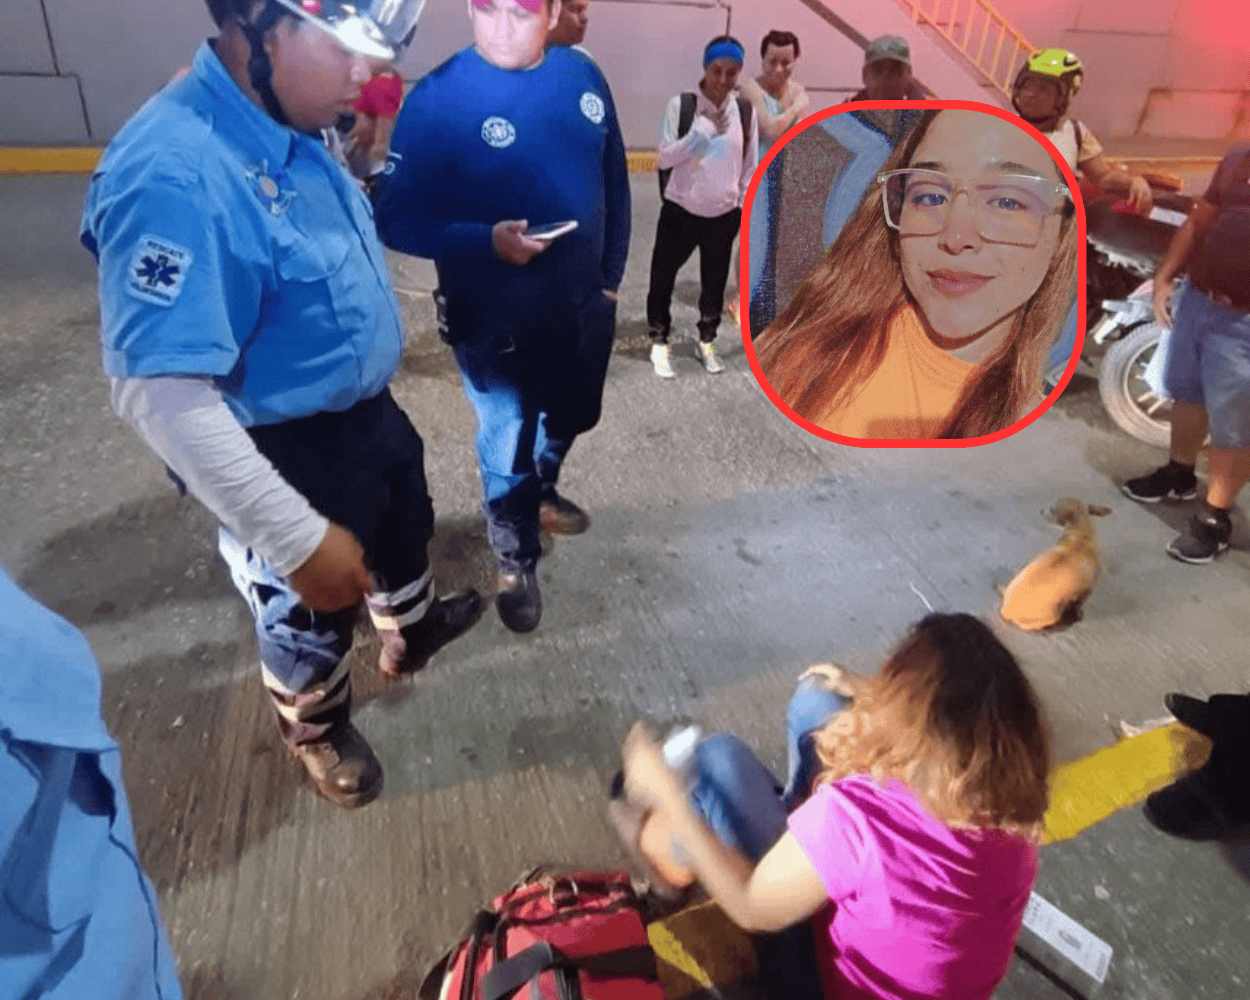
729	549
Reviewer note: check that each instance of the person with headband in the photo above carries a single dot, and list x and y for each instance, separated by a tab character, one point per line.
510	134
709	148
250	331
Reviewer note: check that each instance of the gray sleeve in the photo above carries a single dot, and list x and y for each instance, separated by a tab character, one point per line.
187	423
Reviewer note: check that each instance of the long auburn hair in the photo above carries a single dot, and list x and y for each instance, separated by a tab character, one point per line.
833	334
952	716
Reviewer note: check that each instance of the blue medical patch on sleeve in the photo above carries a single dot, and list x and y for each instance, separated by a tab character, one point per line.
157	271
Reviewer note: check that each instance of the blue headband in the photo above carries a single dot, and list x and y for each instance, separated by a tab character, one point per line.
725	48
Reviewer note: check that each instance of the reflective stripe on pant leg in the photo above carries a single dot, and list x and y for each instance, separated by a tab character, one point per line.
406	606
302	654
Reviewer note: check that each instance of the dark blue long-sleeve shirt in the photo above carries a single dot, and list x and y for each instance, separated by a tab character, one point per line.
474	145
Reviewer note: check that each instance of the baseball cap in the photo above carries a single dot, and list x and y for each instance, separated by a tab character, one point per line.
887	47
533	6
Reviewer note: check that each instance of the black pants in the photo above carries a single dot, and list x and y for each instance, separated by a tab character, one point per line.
678	234
363	468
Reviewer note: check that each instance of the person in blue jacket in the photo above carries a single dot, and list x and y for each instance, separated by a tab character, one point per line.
250	331
78	918
504	136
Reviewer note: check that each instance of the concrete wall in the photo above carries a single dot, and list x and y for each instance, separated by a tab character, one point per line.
73	70
649	49
1159	68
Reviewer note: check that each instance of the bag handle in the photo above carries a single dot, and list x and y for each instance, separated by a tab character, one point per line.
511	974
483	923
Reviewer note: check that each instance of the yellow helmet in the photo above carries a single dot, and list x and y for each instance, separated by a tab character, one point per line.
1056	64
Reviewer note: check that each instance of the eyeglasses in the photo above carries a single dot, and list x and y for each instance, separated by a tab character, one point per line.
1006	208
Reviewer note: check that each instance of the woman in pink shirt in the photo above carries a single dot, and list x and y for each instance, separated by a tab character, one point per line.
907	838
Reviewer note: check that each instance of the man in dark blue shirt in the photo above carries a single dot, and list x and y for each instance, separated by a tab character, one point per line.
505	136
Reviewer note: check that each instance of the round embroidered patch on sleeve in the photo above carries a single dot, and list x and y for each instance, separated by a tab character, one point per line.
593	107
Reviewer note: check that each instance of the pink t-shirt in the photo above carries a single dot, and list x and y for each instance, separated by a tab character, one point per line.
919	910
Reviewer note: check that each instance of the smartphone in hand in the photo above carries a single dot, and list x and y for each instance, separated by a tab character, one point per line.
550	231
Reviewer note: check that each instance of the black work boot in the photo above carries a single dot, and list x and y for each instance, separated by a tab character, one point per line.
519	601
559	515
408	649
342	766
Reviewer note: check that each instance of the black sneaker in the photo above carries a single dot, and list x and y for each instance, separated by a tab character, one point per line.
1209	534
1165	483
519	602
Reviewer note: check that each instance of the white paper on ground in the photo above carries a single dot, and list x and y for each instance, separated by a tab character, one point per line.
1081	947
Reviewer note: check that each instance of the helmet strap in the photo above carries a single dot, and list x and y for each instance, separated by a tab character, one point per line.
259	67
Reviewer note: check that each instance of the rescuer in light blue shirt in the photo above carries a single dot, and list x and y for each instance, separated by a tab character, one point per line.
250	331
221	233
77	916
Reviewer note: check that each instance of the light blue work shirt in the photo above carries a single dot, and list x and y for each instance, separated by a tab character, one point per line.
78	919
232	247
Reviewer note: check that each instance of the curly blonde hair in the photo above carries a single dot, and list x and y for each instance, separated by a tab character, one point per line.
952	716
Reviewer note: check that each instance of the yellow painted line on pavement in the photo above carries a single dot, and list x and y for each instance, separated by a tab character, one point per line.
83	159
1088	790
48	160
668	949
641	161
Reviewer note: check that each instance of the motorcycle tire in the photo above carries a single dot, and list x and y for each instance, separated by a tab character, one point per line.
1128	399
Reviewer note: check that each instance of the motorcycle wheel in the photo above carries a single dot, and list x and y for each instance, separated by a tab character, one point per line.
1131	403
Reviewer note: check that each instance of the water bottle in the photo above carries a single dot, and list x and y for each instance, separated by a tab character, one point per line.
678	748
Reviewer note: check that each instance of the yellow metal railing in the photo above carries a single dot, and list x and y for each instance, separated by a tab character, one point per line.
994	46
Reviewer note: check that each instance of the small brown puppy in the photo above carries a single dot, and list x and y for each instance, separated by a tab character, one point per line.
1050	590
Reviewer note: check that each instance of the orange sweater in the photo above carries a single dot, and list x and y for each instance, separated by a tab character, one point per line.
912	392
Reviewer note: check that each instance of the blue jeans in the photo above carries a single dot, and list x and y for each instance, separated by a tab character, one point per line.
533	392
1209	363
744	805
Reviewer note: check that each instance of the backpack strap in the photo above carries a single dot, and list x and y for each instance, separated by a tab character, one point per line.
685	119
744	111
685	116
1080	139
483	923
508	976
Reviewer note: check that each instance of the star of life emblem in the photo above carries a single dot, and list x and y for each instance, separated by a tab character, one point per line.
157	271
498	132
593	107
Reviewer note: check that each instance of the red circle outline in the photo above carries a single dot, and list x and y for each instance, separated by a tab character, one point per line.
744	276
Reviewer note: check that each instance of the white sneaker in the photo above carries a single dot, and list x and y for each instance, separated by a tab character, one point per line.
660	361
705	353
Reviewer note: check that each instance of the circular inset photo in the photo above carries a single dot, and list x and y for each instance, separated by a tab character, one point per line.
914	274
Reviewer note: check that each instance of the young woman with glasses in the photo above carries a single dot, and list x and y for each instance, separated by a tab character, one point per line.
932	313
